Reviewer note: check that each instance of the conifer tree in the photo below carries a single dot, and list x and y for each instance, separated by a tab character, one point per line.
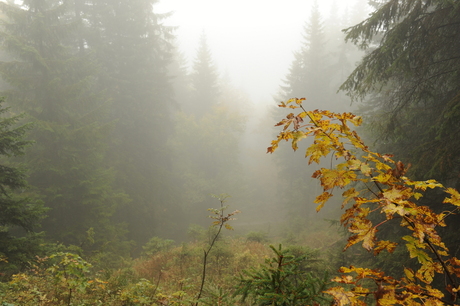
204	79
133	50
409	78
308	75
19	212
410	87
54	85
206	144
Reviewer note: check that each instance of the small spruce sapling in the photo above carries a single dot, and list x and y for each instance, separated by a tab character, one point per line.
282	282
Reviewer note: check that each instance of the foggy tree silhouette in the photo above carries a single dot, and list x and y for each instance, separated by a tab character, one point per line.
204	80
308	74
134	60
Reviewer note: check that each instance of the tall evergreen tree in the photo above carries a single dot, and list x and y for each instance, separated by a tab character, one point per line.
54	85
17	209
317	71
204	81
410	78
410	87
133	49
308	75
305	79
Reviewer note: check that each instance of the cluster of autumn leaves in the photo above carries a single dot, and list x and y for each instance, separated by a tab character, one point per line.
375	184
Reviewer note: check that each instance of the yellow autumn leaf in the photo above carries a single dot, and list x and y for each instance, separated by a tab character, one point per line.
359	290
409	274
322	199
357	120
296	137
354	164
426	273
302	115
366	169
345	279
383	178
454	196
423	185
417	195
434	292
341	296
364	231
299	101
348	195
391	209
385	245
336	178
317	150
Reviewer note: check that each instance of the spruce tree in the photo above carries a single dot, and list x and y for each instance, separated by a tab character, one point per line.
410	88
133	50
204	81
20	213
308	75
409	78
53	83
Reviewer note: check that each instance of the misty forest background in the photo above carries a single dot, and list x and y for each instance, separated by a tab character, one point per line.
129	139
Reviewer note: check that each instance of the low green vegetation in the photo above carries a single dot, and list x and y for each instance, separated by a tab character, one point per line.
172	276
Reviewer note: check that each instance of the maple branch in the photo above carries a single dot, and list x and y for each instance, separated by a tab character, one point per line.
377	185
438	298
427	241
443	264
339	149
393	194
449	213
436	253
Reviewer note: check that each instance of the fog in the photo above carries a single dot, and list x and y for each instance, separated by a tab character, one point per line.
251	41
141	114
252	45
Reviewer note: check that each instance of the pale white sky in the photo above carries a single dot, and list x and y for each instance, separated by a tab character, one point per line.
251	40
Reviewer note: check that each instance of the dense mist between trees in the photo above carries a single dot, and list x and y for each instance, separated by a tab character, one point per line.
134	166
131	139
263	187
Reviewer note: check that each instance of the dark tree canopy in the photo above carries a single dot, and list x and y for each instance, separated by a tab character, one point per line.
411	81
